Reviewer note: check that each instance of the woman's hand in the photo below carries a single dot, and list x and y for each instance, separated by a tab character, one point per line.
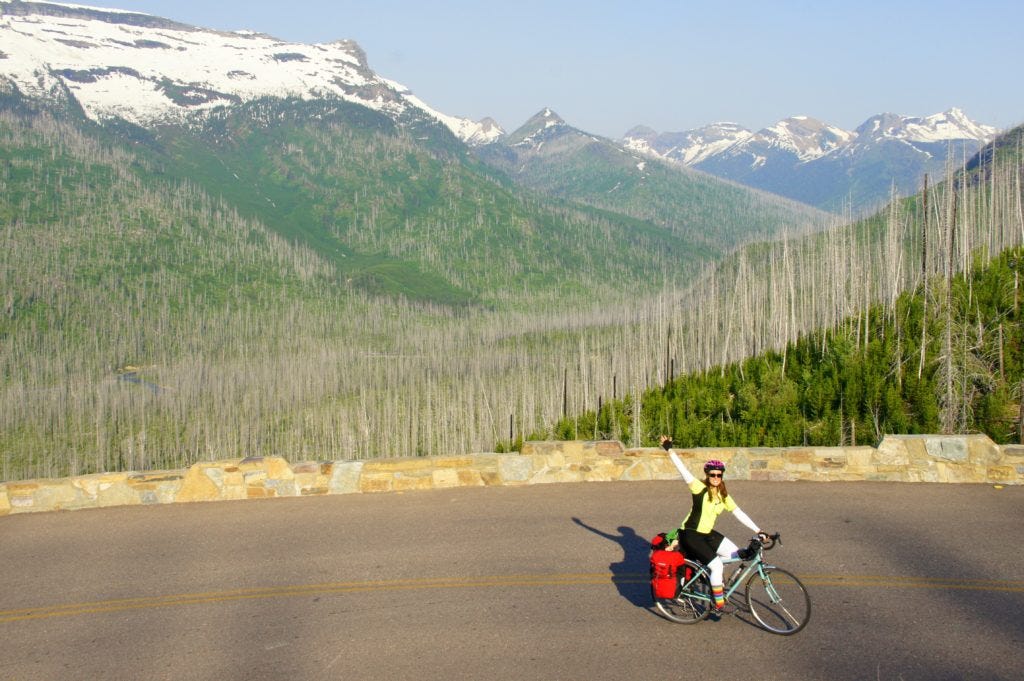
666	442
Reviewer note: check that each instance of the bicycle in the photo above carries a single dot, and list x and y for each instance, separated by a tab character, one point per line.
775	597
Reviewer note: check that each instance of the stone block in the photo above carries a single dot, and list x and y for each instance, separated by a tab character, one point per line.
256	492
535	447
452	462
514	468
370	482
552	460
446	478
397	465
799	456
962	472
56	496
198	485
469	477
92	485
275	467
661	468
24	488
345	477
282	488
153	479
891	451
611	448
855	457
306	480
946	448
404	482
577	450
981	449
491	478
639	470
1000	474
546	476
120	494
605	470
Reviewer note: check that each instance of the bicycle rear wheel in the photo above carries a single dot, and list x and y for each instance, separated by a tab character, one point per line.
694	600
778	601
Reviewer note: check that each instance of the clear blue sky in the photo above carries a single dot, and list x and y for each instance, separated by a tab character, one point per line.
606	66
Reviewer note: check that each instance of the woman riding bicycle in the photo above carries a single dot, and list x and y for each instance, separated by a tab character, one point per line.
697	536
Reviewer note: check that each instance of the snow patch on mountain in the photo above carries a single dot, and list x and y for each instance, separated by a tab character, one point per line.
802	137
148	70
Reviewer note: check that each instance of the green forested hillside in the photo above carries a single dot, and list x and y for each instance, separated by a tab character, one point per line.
957	368
316	282
288	277
410	211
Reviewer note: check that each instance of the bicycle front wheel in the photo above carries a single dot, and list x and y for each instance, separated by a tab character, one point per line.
778	601
694	600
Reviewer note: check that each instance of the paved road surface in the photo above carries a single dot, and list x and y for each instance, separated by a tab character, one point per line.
908	581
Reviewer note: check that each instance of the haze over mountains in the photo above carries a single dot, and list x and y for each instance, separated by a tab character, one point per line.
147	70
820	164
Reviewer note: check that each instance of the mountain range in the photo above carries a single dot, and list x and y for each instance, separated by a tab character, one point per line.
820	164
547	154
171	83
146	70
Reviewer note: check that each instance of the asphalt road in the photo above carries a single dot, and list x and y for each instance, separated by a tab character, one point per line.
908	581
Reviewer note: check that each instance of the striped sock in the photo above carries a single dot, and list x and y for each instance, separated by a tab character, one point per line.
718	593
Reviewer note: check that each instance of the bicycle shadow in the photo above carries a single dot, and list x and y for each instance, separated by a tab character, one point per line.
631	574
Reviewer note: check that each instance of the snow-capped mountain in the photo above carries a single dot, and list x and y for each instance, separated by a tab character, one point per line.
941	129
821	164
148	70
690	147
541	127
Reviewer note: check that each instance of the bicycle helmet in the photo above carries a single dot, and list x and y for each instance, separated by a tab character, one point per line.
714	465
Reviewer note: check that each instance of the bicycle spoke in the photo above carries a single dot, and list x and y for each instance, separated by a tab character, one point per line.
778	601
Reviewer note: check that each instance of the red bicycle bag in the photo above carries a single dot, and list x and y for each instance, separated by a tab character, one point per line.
665	573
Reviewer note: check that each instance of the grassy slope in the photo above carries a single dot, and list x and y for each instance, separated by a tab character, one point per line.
699	207
419	217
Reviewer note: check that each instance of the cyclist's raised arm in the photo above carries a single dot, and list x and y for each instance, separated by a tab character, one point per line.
666	443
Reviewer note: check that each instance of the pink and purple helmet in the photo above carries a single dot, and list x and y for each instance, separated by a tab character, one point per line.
714	465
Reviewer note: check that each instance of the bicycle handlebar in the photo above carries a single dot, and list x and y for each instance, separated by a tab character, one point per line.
768	544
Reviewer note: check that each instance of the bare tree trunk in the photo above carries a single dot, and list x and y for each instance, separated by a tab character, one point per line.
924	277
1020	416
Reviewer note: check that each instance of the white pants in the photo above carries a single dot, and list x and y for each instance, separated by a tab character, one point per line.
725	550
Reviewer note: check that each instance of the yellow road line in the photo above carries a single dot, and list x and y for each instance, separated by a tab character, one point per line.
491	581
115	605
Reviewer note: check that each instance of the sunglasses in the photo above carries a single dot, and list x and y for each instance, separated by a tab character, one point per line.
714	475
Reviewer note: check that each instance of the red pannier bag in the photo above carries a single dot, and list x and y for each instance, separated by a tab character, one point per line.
664	570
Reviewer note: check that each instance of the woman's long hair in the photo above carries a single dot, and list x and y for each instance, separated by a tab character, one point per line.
723	493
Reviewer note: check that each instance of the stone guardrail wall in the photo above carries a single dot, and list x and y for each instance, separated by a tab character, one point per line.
914	458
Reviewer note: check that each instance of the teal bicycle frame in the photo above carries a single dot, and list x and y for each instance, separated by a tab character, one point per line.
776	599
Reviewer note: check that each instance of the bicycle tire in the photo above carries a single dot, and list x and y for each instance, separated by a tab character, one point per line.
779	602
687	609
